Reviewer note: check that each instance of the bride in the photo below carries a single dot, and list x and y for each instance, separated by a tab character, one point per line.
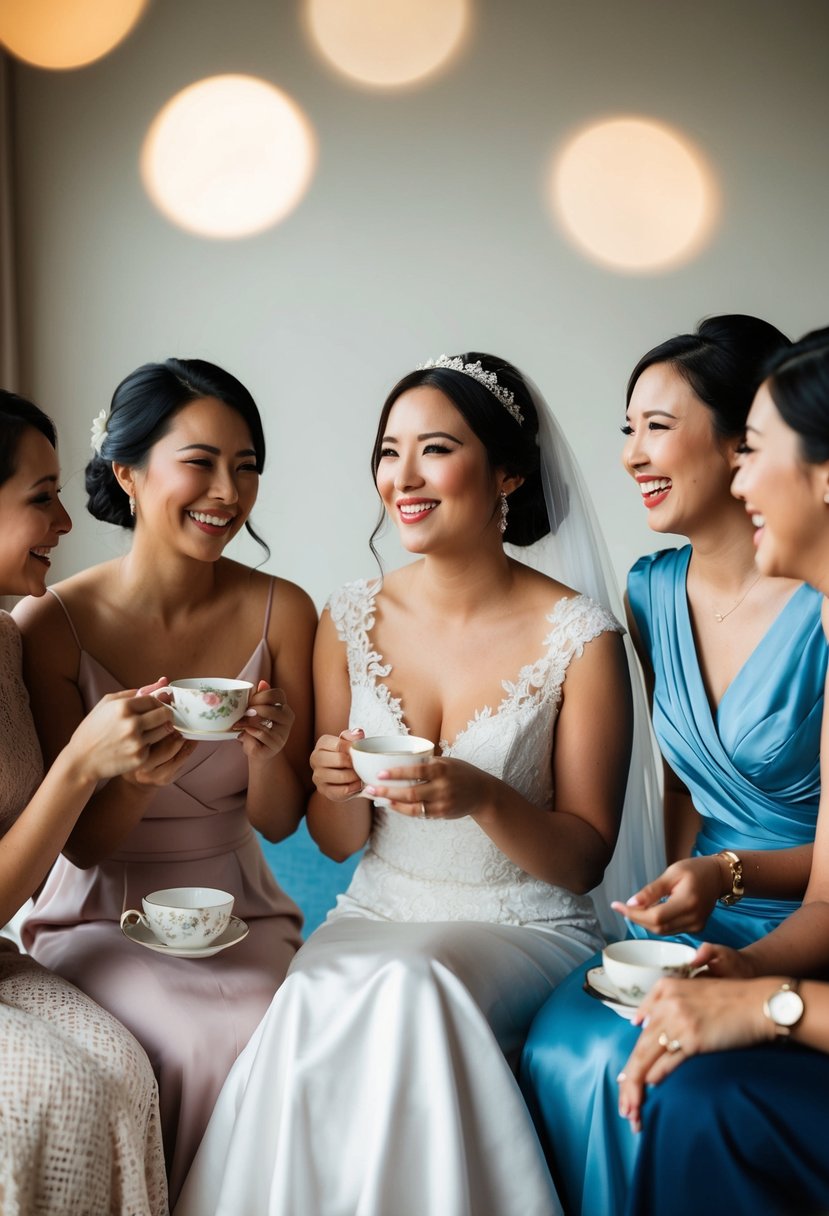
380	1079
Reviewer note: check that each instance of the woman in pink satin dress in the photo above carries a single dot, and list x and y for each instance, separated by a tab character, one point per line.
176	460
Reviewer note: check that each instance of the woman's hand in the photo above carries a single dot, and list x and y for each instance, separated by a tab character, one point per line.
447	789
680	900
332	771
266	725
120	734
724	961
682	1018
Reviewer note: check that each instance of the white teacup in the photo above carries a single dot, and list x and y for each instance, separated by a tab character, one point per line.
189	917
209	703
378	753
634	966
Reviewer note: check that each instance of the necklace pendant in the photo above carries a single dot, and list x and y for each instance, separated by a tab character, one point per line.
718	616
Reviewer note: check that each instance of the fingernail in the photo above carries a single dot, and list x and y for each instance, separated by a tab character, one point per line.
633	902
622	1076
382	776
369	789
250	713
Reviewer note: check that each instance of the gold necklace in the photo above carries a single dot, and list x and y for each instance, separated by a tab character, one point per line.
720	616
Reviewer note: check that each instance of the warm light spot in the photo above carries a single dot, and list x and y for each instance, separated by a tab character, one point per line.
228	157
388	42
65	33
634	195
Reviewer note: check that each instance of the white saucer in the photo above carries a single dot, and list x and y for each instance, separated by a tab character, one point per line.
597	984
235	931
209	736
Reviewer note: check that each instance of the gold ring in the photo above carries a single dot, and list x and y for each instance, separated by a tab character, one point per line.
672	1046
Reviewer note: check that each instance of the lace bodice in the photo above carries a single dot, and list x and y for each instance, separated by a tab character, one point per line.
421	870
21	767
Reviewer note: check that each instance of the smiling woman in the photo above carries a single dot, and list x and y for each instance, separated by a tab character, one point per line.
79	1126
381	1077
177	461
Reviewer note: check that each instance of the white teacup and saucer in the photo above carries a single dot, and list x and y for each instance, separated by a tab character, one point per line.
377	753
630	969
207	707
185	922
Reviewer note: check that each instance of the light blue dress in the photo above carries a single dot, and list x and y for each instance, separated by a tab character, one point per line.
753	771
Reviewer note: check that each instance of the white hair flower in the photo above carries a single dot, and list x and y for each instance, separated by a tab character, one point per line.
99	431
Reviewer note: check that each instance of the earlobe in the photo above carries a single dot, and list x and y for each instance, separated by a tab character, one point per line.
124	476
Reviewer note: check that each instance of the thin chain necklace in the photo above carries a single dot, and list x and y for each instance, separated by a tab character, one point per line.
720	616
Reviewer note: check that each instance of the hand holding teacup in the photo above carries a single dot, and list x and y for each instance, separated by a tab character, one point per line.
266	723
332	769
427	787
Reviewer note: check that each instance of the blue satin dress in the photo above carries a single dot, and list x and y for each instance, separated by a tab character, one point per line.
753	770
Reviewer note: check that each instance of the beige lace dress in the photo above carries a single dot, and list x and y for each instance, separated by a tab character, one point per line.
79	1127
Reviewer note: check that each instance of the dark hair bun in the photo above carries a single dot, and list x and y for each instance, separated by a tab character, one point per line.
105	498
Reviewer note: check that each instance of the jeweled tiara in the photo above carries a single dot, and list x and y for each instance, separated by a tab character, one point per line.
488	379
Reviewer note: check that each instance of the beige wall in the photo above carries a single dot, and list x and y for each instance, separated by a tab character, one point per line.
425	230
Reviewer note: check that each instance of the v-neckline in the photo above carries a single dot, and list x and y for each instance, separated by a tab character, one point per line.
715	709
395	704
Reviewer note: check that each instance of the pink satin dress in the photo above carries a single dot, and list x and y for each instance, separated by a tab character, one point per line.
192	1016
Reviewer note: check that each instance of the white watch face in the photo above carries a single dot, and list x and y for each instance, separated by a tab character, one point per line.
785	1007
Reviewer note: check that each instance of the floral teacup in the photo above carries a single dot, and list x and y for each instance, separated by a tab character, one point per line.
189	917
208	703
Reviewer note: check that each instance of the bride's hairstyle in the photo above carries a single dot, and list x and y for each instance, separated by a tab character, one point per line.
723	361
16	415
798	381
510	445
142	411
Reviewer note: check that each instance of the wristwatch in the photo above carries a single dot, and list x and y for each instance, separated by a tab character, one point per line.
737	889
784	1008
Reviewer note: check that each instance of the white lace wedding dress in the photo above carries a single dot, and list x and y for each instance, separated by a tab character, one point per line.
379	1082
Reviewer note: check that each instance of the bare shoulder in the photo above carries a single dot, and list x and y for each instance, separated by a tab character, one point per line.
46	620
538	592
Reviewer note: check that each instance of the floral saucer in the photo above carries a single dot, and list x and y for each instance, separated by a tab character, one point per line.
142	936
596	984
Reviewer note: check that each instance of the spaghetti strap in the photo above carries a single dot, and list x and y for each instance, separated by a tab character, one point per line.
268	607
52	591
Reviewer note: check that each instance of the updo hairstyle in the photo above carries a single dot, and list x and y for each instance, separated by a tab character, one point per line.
510	445
798	381
723	362
142	411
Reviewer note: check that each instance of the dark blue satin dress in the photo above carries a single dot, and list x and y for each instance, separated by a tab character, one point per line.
753	770
738	1132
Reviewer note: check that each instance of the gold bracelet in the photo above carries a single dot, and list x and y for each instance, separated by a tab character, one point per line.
737	889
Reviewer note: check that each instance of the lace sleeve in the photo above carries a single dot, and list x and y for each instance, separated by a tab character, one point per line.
352	611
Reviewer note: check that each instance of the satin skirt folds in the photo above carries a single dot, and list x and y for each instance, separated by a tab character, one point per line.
378	1083
742	1132
574	1052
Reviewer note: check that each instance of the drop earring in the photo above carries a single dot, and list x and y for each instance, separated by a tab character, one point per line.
132	506
502	522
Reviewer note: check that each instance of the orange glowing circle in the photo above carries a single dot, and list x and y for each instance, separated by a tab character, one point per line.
228	157
65	33
634	195
388	43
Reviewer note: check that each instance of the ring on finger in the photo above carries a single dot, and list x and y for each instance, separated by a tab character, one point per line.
267	723
672	1046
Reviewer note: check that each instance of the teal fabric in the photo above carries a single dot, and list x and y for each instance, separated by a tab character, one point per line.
753	769
310	878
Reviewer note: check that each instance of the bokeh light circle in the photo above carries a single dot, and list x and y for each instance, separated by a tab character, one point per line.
228	157
388	43
634	195
65	33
